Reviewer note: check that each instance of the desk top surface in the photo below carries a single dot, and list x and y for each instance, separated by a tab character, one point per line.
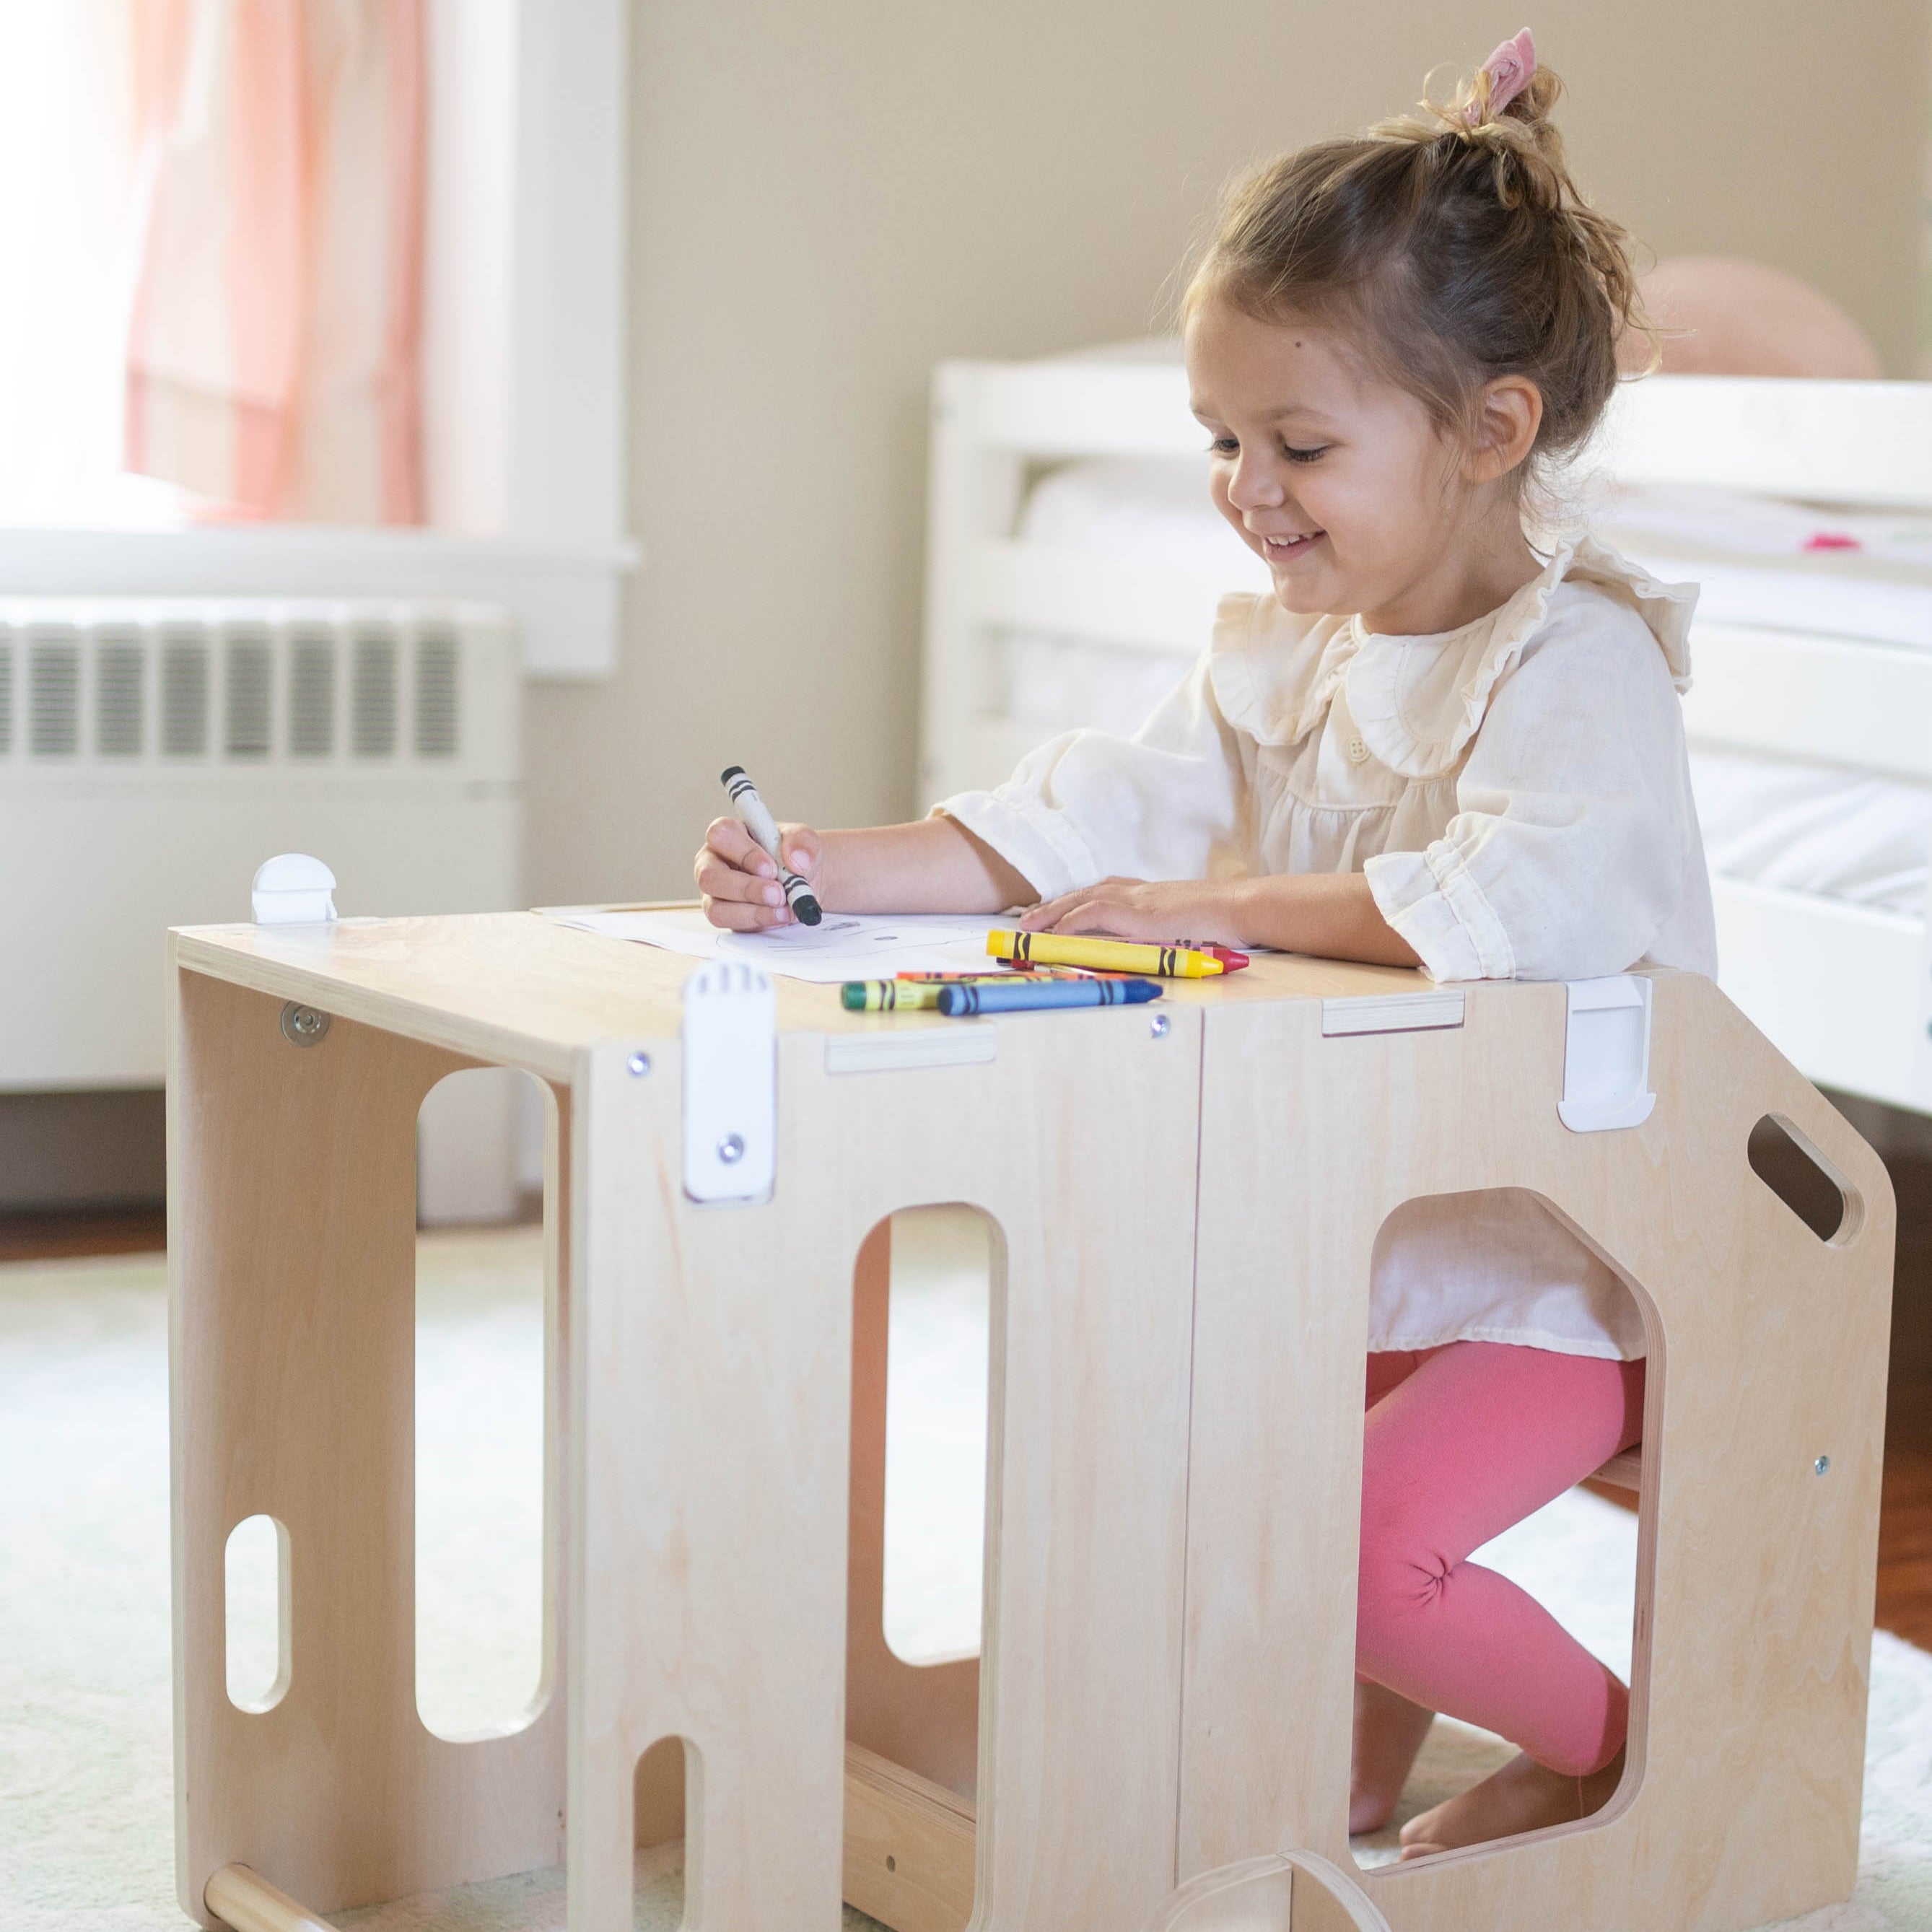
523	989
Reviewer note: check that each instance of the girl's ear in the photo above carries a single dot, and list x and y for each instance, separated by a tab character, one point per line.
1508	412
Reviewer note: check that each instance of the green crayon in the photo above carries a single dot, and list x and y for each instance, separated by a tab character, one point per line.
887	996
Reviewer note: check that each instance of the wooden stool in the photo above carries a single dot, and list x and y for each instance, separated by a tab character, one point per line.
1185	1202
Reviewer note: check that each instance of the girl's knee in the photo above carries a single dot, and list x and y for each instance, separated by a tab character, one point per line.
1399	1583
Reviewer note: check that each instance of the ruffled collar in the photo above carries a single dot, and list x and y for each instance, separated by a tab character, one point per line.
1417	701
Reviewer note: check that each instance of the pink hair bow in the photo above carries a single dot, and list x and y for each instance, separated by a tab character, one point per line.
1509	71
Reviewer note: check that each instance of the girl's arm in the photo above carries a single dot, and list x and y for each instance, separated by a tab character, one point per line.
934	865
1332	915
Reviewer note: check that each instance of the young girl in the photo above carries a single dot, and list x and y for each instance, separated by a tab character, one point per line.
1433	745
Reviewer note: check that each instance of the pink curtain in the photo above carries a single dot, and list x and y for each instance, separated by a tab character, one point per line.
274	362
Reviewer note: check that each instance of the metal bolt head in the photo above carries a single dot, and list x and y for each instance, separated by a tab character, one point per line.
1822	1467
303	1026
1159	1025
640	1064
731	1149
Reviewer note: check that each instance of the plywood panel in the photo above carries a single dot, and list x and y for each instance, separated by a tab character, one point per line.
1769	1348
712	1378
292	1260
909	1846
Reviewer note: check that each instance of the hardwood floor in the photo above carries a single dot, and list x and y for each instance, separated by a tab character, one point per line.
1905	1521
58	1235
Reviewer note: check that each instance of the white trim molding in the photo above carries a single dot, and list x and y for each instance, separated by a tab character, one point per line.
565	593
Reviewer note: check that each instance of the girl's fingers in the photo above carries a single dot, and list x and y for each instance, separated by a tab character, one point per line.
1053	918
717	880
729	839
802	848
1114	895
1087	918
1041	918
736	915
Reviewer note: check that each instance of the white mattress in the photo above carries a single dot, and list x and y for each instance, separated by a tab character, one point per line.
1845	835
1810	829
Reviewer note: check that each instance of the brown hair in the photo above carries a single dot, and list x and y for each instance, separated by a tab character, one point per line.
1458	247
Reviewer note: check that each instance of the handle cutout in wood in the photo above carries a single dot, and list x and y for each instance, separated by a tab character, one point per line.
1800	1176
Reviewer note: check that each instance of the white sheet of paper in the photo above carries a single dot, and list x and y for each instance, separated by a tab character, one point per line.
843	946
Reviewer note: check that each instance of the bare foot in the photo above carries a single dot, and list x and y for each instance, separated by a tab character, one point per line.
1523	1796
1389	1732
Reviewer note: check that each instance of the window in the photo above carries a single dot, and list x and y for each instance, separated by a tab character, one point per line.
517	418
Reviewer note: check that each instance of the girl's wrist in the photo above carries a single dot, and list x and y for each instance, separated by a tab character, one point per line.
1219	912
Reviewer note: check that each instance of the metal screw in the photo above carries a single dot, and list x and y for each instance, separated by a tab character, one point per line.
731	1149
1159	1025
303	1026
1823	1466
640	1064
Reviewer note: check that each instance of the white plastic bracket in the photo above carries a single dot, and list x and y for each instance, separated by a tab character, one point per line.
730	1084
1606	1055
291	889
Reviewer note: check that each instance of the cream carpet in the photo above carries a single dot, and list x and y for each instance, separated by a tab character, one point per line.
85	1798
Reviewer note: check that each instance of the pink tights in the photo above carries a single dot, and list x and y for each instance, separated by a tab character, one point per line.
1460	1442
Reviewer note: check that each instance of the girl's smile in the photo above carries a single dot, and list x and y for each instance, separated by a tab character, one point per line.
1288	549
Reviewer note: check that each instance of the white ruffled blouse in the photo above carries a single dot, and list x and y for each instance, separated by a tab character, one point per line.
1517	793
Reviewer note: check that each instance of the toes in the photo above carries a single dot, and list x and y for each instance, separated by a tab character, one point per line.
1419	1826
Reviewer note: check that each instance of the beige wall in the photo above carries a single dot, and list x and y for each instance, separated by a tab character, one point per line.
829	196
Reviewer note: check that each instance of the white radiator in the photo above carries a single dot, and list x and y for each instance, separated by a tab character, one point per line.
152	754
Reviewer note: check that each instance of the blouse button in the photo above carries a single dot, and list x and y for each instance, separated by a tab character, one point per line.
1358	752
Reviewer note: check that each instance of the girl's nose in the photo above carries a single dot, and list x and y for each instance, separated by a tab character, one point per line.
1254	486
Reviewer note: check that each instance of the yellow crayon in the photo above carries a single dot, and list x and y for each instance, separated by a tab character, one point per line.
887	996
1118	955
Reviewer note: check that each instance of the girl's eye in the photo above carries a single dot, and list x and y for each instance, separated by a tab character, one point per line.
1303	455
1224	446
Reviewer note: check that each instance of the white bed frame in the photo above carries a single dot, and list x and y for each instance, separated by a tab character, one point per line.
1844	990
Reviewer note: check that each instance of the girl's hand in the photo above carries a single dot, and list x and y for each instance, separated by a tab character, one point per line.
1162	910
740	883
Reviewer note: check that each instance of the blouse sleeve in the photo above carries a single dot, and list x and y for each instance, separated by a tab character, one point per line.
1168	803
1570	840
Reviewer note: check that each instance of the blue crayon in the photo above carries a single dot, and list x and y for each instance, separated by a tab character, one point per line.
1023	995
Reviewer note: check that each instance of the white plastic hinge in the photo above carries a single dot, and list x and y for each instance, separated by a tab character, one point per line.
1606	1055
291	889
730	1084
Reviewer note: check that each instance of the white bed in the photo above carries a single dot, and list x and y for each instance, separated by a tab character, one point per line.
1075	562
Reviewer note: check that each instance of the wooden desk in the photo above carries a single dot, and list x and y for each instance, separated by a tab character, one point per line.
1186	1198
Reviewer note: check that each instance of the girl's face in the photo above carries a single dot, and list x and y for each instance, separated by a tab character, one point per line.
1340	480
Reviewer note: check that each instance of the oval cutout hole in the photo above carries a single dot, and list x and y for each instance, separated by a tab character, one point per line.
482	1374
663	1802
255	1603
938	1348
1795	1174
1576	1556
